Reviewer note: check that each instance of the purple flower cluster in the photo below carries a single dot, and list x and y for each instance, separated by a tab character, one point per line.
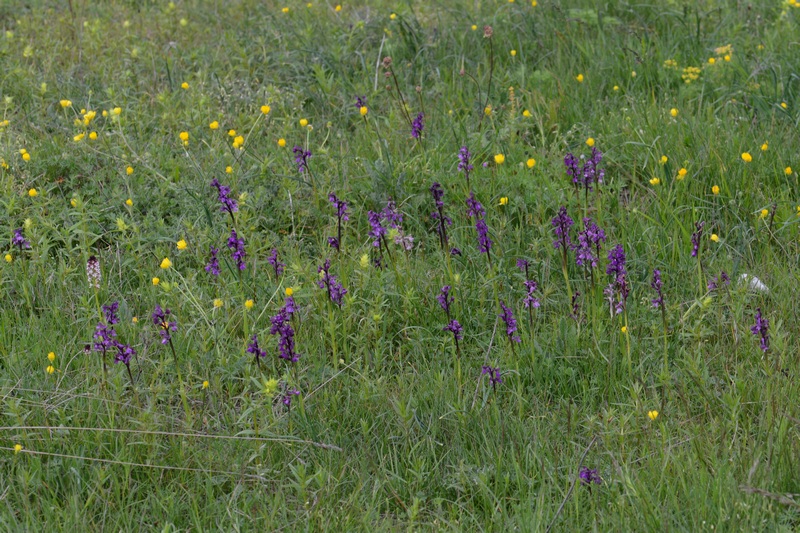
530	301
161	319
287	398
696	236
464	164
657	286
213	263
456	329
377	231
561	224
105	337
301	158
227	204
589	476
761	328
254	349
445	299
124	354
588	174
341	215
236	245
715	282
19	240
282	326
417	125
360	102
335	289
110	313
276	265
438	215
619	285
474	207
475	210
589	245
495	377
511	323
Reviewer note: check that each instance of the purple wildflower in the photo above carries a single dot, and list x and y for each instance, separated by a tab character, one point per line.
360	102
19	240
253	348
161	319
696	237
227	204
715	282
464	164
282	326
571	162
335	289
301	158
417	125
589	476
495	377
455	251
391	215
213	263
484	242
619	286
657	285
110	313
104	337
236	245
561	224
377	230
341	214
592	174
761	328
511	323
530	301
276	265
474	207
124	354
588	247
287	398
445	299
456	329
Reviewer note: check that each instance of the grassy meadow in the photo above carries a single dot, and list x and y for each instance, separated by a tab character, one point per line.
380	266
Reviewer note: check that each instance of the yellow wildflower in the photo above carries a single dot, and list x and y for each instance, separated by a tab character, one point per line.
681	174
652	415
579	78
166	263
590	142
266	109
156	281
248	304
715	189
33	193
531	163
214	125
184	85
129	171
673	112
218	302
746	157
181	244
499	159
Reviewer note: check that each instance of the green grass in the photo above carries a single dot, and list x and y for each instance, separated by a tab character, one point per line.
392	429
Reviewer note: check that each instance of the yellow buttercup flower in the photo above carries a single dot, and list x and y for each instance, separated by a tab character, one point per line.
303	122
79	137
579	78
513	53
655	181
51	369
290	291
363	110
26	156
765	147
652	415
65	103
156	281
218	302
229	170
231	133
129	202
711	60
9	257
117	111
338	8
746	157
487	110
285	10
181	244
783	105
248	304
624	329
616	87
129	171
473	27
282	143
681	174
499	159
504	200
764	213
664	160
787	171
715	189
166	263
673	112
33	193
51	356
214	125
205	384
17	448
392	16
531	163
93	136
184	136
714	237
184	85
633	74
590	142
527	114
